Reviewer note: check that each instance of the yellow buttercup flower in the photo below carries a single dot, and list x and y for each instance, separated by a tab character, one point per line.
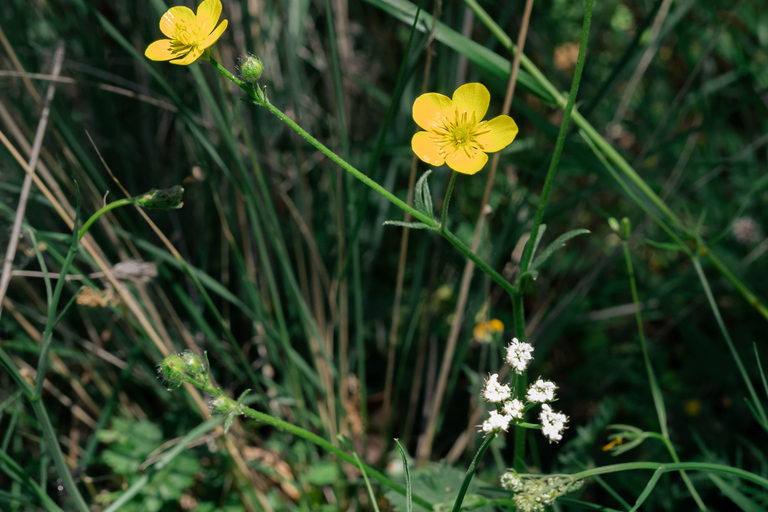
455	132
485	331
190	34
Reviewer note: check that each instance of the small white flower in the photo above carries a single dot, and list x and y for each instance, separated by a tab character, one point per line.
495	422
495	392
552	423
511	481
541	391
519	354
513	409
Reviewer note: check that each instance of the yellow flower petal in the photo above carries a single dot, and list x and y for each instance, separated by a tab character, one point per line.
191	57
466	160
164	49
174	16
427	149
501	132
496	325
430	110
215	35
208	14
472	98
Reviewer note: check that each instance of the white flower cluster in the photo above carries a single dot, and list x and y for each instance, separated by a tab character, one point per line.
541	391
519	354
495	392
552	423
510	410
534	493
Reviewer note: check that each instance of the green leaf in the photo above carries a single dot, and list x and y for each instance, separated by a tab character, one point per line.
423	197
539	236
737	497
555	246
435	483
412	225
408	486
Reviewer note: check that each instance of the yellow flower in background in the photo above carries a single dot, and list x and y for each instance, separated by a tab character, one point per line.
189	35
485	331
455	132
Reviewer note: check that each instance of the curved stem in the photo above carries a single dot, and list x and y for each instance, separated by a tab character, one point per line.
102	211
446	201
326	445
681	466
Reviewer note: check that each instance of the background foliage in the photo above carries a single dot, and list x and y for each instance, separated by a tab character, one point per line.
301	271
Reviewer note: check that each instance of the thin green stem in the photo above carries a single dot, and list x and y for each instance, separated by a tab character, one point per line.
326	445
14	467
446	202
528	251
471	471
521	382
658	398
111	206
667	467
728	341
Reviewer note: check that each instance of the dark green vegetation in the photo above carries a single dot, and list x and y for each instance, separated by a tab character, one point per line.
291	277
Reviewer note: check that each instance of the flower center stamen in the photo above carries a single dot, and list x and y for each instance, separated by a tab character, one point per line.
459	134
187	35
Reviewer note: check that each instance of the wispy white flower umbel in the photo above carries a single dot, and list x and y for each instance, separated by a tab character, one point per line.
519	354
513	409
541	391
495	422
495	392
552	423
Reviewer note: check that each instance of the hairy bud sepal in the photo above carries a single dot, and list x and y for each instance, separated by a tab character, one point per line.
222	405
251	69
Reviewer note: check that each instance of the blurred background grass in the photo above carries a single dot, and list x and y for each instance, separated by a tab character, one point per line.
303	299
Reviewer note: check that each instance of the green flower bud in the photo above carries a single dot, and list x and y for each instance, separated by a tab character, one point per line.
172	367
165	199
251	69
172	370
614	225
222	406
193	366
626	228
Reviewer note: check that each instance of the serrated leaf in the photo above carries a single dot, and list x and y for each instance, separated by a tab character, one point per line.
422	198
412	225
555	246
435	483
